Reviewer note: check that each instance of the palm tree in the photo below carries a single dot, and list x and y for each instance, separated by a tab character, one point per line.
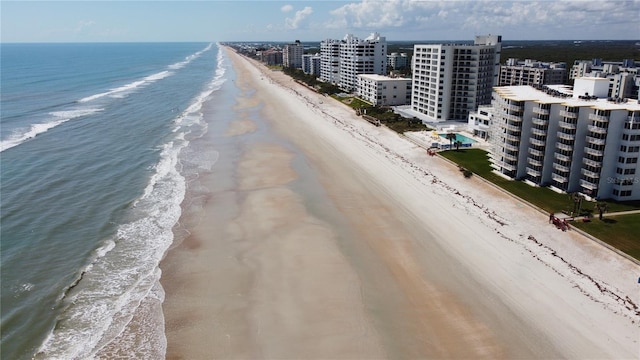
458	143
451	137
577	202
602	208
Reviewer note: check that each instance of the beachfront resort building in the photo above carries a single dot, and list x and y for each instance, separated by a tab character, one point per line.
292	55
330	61
532	72
311	64
572	140
380	90
623	77
343	60
397	61
480	121
451	80
271	57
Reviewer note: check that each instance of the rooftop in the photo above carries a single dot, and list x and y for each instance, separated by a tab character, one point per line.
562	94
377	77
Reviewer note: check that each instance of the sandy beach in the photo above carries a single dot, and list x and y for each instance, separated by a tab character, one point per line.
336	239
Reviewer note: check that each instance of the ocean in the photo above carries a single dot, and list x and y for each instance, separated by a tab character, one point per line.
91	137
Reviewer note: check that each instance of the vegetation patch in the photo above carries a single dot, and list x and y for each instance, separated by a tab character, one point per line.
620	231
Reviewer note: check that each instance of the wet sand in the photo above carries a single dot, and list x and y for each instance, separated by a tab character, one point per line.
335	239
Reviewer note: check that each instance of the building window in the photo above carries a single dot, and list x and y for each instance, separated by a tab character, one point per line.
633	160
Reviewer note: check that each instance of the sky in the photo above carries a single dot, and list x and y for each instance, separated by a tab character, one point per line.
266	20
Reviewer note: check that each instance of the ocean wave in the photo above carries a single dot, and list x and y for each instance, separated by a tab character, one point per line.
123	90
103	300
189	58
124	273
21	135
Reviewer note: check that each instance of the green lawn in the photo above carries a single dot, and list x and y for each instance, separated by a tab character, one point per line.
622	232
477	161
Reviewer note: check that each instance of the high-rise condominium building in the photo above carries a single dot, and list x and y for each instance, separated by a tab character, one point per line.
292	55
354	56
532	72
330	61
573	141
451	80
397	60
311	64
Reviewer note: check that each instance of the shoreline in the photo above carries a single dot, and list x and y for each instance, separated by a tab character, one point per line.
492	275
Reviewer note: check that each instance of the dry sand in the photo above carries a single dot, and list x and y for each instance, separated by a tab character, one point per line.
414	262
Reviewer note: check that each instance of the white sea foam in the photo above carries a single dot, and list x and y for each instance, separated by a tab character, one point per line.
124	270
124	275
58	117
122	91
189	58
125	89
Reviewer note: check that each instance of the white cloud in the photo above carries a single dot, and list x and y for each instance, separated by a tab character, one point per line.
286	8
488	16
300	15
82	25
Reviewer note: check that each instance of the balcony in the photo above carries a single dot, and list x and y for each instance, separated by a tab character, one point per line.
533	172
536	142
538	132
508	156
534	162
559	178
566	136
512	138
568	114
564	147
566	125
595	141
513	128
596	129
503	165
593	152
592	163
535	152
512	107
540	122
599	118
561	157
589	173
588	184
540	111
510	147
631	131
561	168
513	118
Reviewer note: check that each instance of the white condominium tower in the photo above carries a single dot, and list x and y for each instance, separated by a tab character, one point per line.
573	141
330	61
342	61
292	55
451	80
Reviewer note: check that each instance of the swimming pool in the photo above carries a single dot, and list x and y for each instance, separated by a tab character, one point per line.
459	137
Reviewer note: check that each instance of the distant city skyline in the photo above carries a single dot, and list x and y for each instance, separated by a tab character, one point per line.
397	20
